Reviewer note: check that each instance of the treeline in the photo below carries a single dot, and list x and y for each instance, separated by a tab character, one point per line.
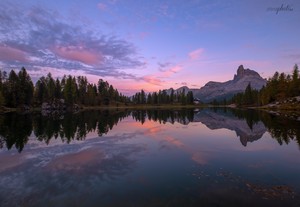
18	90
163	97
278	88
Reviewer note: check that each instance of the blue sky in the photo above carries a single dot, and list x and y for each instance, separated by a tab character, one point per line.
150	45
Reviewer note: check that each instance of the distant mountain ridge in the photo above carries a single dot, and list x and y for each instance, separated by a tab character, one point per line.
225	90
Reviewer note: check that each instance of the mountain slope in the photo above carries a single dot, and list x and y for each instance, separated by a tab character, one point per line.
225	90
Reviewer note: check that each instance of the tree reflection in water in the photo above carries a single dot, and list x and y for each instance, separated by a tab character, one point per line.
249	125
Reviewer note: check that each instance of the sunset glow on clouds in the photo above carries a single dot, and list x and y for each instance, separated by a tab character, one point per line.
196	54
148	45
12	54
79	54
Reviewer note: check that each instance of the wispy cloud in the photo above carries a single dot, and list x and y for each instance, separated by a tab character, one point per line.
173	141
172	70
163	65
295	56
75	53
102	6
153	80
196	54
10	54
37	38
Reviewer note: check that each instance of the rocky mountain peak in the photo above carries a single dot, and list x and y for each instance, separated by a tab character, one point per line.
225	90
242	72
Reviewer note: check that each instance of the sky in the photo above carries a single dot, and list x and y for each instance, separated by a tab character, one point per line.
149	44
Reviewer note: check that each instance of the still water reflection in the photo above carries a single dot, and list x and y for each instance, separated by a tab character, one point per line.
210	157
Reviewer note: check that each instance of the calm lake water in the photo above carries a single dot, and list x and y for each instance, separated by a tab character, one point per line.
206	157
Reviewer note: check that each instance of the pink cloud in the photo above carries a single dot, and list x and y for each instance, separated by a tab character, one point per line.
174	141
12	54
200	158
196	54
172	70
153	130
152	80
143	35
175	69
102	6
78	54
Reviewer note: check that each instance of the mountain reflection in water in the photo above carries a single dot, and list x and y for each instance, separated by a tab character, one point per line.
249	125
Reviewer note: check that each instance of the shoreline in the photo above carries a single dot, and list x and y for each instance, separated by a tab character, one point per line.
278	108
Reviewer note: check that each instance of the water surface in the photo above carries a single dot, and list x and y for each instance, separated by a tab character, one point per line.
209	157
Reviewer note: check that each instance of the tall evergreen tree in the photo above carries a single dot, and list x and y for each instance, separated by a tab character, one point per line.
82	88
143	97
58	90
40	93
50	86
25	88
248	96
190	97
295	84
11	89
70	89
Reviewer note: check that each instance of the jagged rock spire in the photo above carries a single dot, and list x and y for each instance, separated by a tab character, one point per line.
240	70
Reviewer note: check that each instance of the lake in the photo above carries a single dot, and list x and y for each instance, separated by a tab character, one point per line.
203	157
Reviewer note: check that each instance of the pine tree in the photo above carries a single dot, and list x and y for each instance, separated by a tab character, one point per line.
40	92
190	97
143	97
82	88
172	95
50	87
295	84
57	92
11	89
26	88
70	90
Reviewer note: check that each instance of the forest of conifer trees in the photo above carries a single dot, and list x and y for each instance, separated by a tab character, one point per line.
162	97
18	90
